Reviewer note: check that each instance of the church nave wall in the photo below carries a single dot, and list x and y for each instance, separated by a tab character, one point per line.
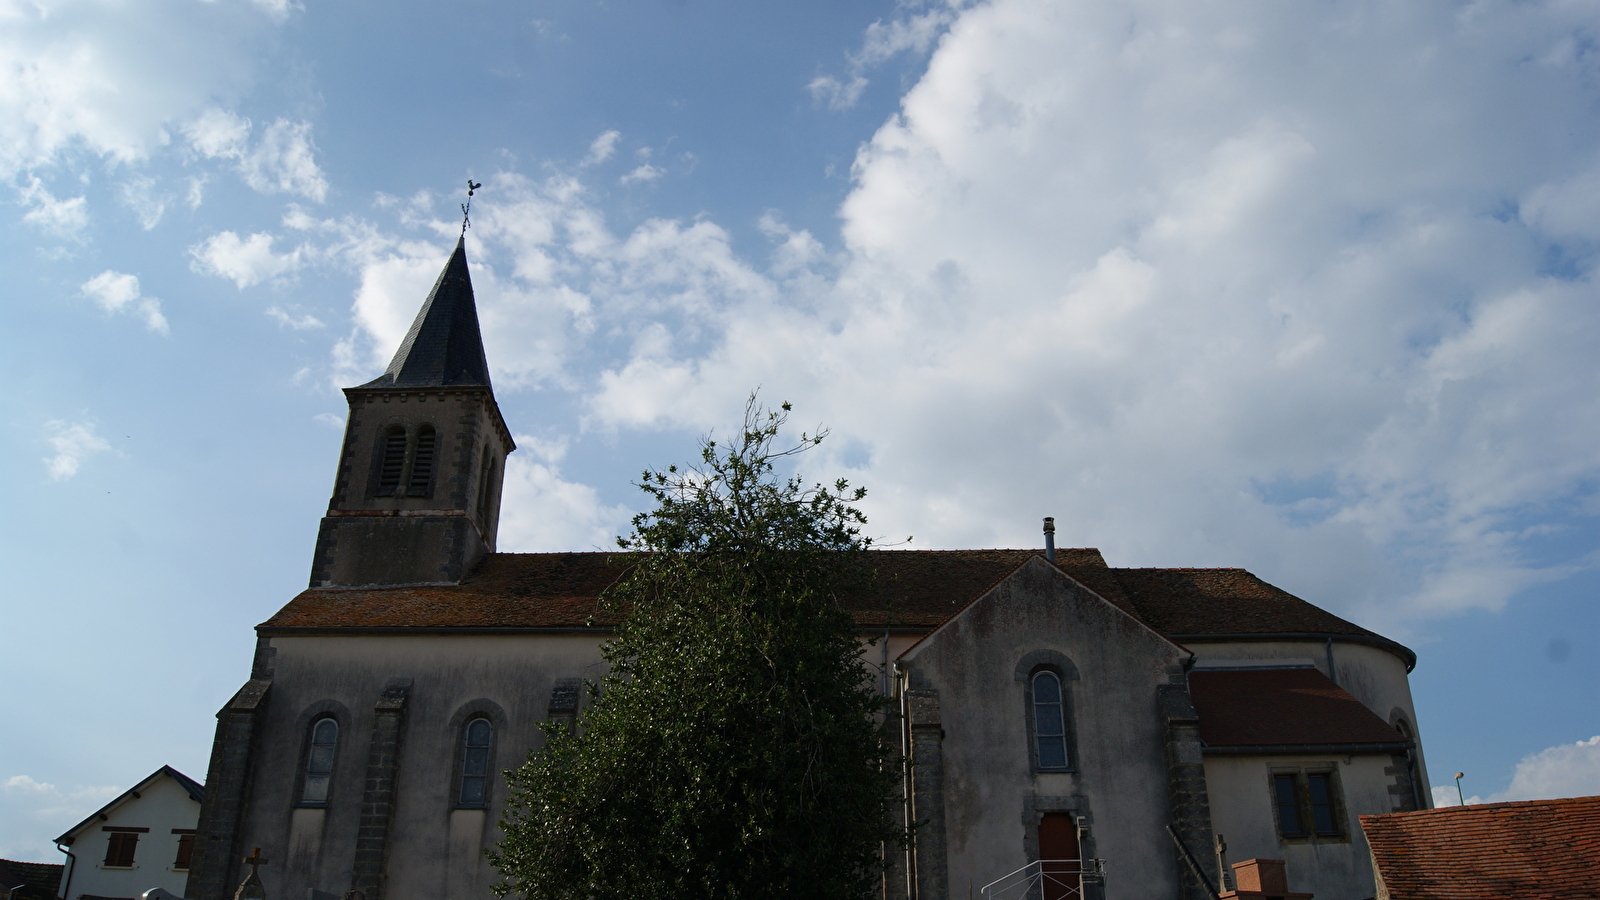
434	840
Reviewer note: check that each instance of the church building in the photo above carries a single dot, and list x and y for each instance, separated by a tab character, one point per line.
1073	729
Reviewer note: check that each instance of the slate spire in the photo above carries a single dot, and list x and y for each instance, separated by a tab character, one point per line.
444	346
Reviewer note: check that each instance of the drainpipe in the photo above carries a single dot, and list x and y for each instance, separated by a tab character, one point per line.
885	660
1331	677
1050	538
72	869
907	787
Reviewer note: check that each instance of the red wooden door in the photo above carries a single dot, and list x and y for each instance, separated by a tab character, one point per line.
1058	856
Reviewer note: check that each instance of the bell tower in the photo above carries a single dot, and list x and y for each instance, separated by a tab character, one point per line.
417	496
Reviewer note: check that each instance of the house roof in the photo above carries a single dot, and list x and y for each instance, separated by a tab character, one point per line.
444	346
1281	707
194	788
1537	849
913	590
40	878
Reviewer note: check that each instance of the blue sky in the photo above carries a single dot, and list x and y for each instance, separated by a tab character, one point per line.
1307	289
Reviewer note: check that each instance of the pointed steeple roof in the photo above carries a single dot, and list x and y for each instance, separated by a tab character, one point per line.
444	346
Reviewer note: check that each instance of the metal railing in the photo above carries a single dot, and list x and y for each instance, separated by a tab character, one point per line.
1046	879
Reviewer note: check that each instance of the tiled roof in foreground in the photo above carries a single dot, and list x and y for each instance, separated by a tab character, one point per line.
913	589
1531	850
28	880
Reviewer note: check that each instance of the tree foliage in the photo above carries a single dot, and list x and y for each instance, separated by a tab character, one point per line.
733	750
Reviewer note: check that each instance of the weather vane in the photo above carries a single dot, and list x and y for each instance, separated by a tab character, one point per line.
466	208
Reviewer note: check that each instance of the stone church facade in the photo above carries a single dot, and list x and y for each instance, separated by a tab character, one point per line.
1102	725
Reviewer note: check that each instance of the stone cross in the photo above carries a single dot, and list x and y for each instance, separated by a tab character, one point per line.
251	888
1222	864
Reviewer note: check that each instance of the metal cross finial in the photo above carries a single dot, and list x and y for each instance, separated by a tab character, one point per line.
466	208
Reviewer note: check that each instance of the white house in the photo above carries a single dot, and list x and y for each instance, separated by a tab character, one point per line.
141	840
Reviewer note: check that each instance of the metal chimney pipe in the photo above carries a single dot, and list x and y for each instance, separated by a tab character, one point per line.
1050	538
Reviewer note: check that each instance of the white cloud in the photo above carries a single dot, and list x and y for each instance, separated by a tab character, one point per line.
284	161
644	172
219	133
41	809
196	193
835	93
1447	795
26	785
602	148
557	260
73	442
915	32
391	290
277	9
117	292
1565	770
302	322
139	194
912	31
794	252
1235	290
244	261
109	78
64	218
540	510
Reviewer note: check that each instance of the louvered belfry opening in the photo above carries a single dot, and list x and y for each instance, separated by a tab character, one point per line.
422	463
394	461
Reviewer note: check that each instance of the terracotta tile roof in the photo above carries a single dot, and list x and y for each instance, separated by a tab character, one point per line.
1531	850
30	880
1211	601
510	590
914	589
1276	707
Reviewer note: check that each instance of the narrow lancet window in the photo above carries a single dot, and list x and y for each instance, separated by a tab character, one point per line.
476	739
1049	721
485	488
319	761
394	461
422	463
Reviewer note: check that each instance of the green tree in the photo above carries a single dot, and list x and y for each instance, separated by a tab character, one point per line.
733	751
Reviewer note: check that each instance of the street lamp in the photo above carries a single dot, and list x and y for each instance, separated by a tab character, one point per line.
1459	795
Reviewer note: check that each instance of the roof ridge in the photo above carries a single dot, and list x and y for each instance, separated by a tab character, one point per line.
1179	569
1492	805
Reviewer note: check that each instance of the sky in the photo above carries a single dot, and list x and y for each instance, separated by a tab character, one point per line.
1309	289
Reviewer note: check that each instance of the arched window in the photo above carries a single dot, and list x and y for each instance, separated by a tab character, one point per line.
392	468
320	751
422	462
1415	793
1049	721
476	740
